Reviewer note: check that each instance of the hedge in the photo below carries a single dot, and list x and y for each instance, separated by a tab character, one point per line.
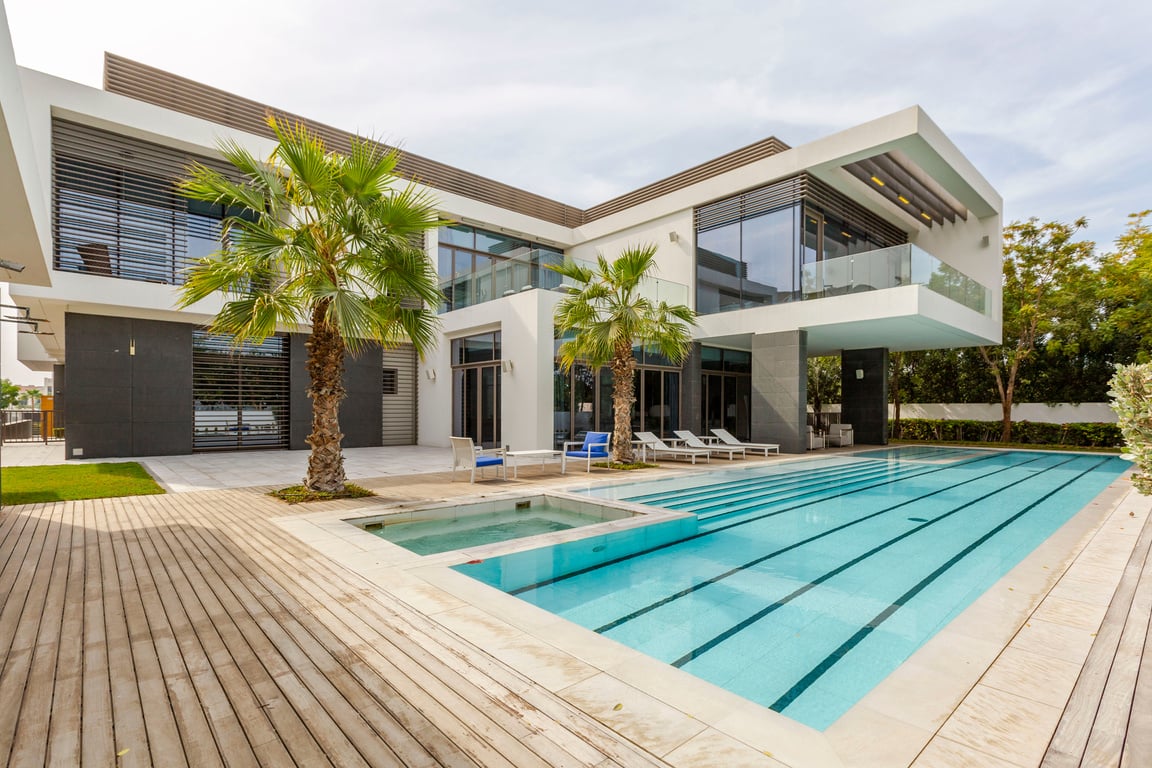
1087	434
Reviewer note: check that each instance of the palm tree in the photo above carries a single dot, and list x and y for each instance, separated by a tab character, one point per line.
609	316
320	238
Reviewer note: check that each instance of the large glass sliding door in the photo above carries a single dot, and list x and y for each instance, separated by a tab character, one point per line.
726	390
583	402
476	389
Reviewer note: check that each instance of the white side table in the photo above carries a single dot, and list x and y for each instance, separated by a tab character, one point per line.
543	454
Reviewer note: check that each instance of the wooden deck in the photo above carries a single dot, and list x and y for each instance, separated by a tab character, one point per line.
187	630
1108	719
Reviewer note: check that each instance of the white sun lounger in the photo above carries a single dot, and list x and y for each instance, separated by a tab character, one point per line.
658	446
728	438
692	441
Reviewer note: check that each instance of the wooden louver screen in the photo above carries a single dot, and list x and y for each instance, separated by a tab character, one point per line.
241	394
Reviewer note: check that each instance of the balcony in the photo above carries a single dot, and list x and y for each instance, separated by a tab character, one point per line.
529	270
891	268
505	277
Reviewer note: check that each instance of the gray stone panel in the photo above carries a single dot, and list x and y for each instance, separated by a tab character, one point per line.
125	404
780	389
864	401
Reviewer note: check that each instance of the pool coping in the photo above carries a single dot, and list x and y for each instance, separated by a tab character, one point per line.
920	707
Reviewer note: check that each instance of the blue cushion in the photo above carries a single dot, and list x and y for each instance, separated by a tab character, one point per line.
599	453
488	461
593	438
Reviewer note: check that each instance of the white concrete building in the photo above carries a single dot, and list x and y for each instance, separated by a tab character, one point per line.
881	237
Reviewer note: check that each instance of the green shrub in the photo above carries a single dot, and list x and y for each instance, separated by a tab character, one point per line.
1132	401
1086	435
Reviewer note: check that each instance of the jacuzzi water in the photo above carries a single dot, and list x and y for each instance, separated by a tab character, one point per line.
427	537
807	583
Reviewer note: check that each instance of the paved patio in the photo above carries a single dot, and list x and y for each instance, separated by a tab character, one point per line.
211	628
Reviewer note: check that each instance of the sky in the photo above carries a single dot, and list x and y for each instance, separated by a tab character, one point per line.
582	101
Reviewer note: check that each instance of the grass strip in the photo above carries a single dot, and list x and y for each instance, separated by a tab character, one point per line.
69	482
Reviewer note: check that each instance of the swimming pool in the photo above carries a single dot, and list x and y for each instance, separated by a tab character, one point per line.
806	583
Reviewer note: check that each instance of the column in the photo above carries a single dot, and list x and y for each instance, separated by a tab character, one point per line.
780	389
864	394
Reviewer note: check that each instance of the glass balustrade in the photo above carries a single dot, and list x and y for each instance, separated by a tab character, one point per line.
890	268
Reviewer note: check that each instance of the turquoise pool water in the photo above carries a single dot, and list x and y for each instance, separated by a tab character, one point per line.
803	585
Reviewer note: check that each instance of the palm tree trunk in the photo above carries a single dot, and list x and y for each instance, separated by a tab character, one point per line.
623	399
326	388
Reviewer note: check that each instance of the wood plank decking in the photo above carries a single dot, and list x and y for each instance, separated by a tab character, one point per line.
1108	719
187	630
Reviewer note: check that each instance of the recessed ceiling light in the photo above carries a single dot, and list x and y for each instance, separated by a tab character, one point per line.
902	199
925	215
878	182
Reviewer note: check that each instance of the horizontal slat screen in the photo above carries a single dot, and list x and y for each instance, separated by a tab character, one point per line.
399	412
791	190
116	211
240	394
727	162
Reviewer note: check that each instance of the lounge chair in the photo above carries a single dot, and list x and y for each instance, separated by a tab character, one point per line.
728	438
692	441
466	455
594	447
657	447
841	435
815	441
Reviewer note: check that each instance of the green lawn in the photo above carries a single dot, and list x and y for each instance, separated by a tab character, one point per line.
66	482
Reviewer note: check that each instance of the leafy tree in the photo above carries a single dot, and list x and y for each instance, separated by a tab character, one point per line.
1132	401
9	393
325	239
823	383
609	316
1041	262
1125	287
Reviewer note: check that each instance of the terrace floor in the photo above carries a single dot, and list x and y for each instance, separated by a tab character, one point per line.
202	628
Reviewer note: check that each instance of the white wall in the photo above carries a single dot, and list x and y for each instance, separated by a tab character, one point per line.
525	324
1060	413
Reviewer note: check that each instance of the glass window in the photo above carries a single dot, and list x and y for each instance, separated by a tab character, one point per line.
768	250
457	234
718	269
711	358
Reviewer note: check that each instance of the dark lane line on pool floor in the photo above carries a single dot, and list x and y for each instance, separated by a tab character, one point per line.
816	672
703	648
745	521
764	558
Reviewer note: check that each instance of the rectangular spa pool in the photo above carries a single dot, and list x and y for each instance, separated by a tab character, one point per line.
449	527
806	583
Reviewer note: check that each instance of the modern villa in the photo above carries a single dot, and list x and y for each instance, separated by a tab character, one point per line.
879	238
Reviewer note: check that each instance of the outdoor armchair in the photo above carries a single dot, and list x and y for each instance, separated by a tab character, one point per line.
466	455
594	447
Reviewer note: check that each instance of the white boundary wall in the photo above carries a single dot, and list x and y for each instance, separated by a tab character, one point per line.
1060	413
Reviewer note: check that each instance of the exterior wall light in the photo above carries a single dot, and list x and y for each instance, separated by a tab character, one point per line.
430	373
674	236
859	373
506	366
